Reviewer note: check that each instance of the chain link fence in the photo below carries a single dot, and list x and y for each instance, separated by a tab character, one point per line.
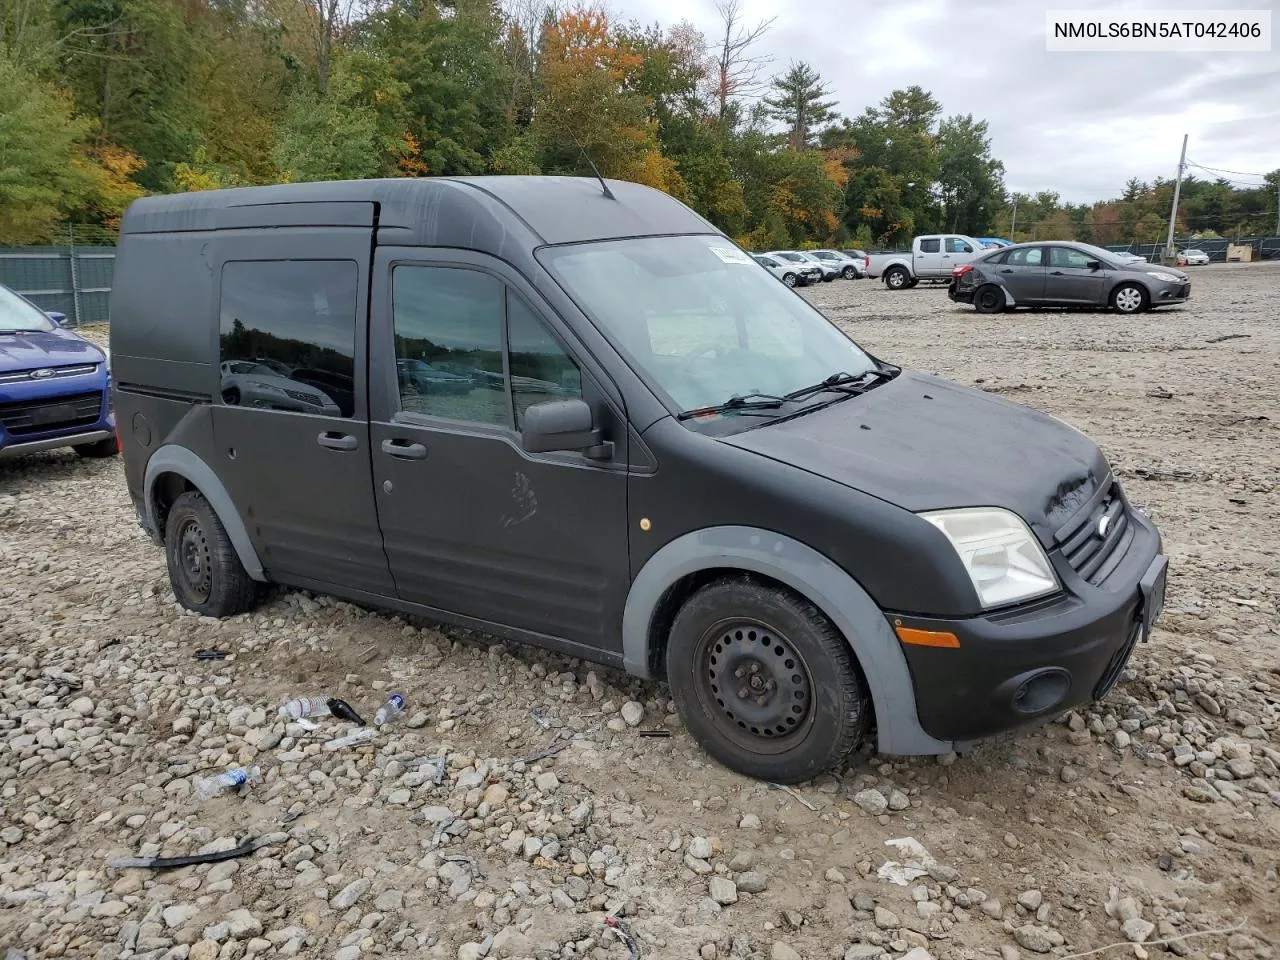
71	275
1264	248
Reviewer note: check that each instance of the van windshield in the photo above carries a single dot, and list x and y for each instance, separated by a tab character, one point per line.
701	318
19	316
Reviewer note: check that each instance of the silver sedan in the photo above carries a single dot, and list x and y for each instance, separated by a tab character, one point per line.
1065	274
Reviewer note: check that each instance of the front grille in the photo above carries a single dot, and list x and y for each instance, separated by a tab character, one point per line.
59	373
1095	549
1116	665
51	413
310	398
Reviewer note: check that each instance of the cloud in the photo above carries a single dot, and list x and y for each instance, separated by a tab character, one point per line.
1078	123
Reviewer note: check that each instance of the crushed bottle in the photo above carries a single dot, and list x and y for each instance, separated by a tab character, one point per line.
207	788
300	707
350	740
393	707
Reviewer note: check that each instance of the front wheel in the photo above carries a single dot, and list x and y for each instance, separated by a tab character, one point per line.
896	278
205	571
765	683
989	299
849	273
789	279
1129	298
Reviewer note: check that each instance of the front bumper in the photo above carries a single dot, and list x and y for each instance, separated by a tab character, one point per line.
1021	666
1170	292
55	413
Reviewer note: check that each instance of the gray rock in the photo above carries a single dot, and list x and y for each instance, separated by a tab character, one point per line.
1031	899
82	705
242	924
1033	938
723	890
1010	952
872	801
700	848
632	713
899	801
993	909
389	901
917	953
780	951
1241	768
1128	909
178	914
749	821
547	782
510	942
350	895
886	919
753	881
863	951
1137	930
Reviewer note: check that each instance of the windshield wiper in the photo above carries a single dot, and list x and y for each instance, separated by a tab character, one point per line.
739	401
843	382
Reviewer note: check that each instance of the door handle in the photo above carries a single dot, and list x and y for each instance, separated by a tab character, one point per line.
404	449
337	441
1006	270
1057	273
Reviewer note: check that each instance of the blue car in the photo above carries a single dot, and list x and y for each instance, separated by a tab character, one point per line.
990	242
55	387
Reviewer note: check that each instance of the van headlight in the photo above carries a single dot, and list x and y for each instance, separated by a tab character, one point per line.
1003	558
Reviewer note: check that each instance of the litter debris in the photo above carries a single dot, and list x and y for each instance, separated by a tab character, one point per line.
623	933
918	862
369	654
392	708
350	740
306	724
558	747
300	707
209	787
796	796
344	711
543	721
1229	336
209	653
663	734
172	863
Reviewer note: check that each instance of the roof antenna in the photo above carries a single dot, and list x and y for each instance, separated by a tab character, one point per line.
586	156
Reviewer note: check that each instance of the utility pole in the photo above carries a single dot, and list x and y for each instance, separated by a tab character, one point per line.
1177	191
1013	223
1278	208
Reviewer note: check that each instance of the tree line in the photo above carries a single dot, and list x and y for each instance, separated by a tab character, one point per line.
102	101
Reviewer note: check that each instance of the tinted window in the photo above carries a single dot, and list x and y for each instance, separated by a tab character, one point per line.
287	335
930	246
1027	257
769	261
448	330
1066	257
957	245
540	369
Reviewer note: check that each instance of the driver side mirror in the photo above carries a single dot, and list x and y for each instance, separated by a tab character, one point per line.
558	425
1094	264
59	318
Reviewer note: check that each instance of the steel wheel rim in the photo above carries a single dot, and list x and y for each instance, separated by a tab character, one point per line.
987	298
754	685
1128	300
194	560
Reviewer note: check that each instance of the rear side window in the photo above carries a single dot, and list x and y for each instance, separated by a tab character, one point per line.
1066	257
1027	257
930	246
287	333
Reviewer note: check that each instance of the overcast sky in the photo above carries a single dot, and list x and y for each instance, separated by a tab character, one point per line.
1078	123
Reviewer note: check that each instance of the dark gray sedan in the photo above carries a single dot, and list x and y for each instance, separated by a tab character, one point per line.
1064	274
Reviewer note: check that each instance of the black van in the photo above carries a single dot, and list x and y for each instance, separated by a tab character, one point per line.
571	412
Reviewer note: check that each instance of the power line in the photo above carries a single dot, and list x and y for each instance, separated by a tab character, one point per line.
1239	173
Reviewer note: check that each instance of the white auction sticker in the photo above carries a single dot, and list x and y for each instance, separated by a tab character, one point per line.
729	255
1157	31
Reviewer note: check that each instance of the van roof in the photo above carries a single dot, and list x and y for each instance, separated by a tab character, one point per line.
430	210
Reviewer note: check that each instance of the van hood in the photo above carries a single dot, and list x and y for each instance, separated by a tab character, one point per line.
56	348
924	443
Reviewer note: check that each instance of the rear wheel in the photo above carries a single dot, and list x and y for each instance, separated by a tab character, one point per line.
1130	298
849	273
988	299
897	278
765	683
107	447
789	279
205	572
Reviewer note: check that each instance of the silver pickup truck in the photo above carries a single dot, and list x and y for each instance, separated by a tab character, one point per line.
931	257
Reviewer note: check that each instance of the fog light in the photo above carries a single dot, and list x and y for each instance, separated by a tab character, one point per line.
1038	691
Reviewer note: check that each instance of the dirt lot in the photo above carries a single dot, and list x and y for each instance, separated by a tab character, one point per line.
1154	816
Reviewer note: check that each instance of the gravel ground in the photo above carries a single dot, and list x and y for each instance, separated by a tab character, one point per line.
1153	816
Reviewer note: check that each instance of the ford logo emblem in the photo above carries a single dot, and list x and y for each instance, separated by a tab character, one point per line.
41	374
1103	526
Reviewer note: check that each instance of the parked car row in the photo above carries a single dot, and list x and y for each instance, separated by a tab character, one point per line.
55	386
797	268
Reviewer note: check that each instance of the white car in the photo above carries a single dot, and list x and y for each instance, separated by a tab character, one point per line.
253	384
792	274
1192	258
1123	256
829	271
850	267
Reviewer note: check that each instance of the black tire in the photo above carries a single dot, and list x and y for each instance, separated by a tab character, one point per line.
988	298
827	278
1130	298
849	273
205	572
805	708
897	278
789	279
107	447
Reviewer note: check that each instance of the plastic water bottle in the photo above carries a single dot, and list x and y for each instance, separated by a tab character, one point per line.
209	787
300	707
350	740
389	710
